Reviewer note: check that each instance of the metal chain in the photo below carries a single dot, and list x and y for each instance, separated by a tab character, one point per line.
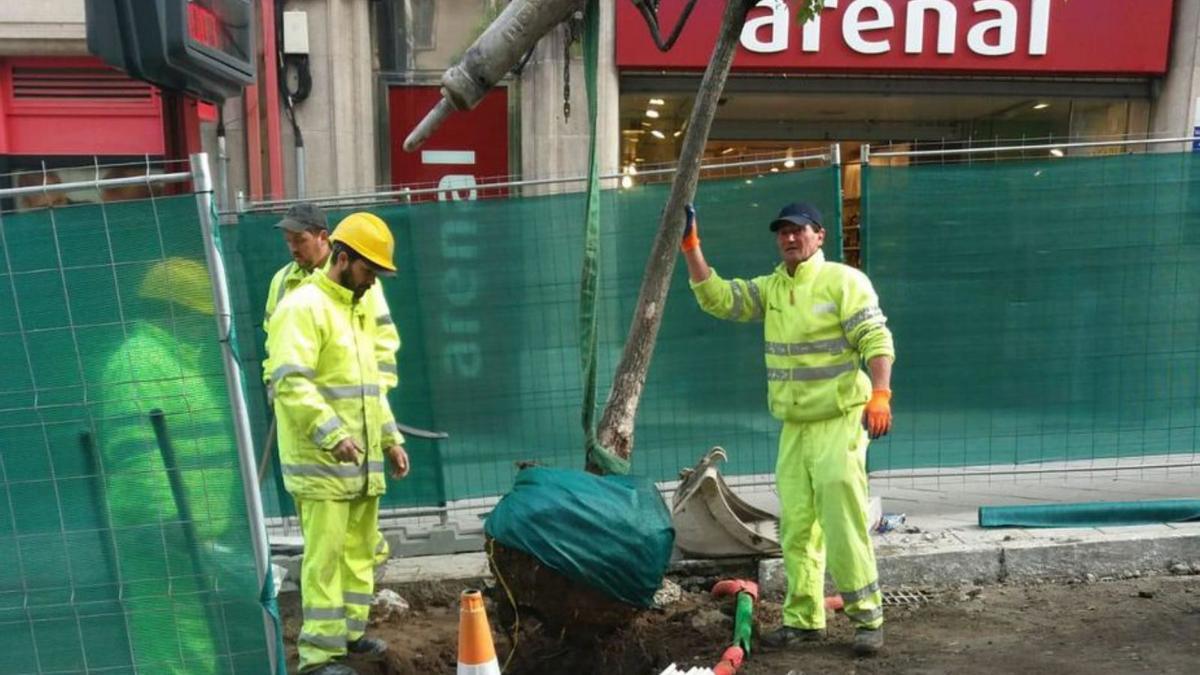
570	37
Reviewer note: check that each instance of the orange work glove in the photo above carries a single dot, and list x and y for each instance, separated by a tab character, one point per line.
691	235
877	416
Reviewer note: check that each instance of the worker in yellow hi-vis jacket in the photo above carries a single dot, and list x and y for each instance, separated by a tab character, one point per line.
335	426
306	233
822	322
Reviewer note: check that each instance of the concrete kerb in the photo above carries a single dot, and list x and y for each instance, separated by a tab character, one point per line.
992	556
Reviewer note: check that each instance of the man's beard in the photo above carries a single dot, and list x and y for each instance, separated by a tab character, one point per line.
346	279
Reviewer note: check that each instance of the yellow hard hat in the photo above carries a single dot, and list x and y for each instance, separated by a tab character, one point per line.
179	280
370	237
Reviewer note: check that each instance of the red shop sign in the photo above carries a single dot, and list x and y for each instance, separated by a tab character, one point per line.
1032	37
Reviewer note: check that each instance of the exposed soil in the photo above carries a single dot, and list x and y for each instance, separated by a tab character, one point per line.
1150	624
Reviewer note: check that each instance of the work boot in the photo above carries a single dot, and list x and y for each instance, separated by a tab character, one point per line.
329	668
371	649
787	637
868	641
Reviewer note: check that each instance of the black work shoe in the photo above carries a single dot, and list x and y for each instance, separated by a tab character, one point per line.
330	668
372	649
868	641
786	637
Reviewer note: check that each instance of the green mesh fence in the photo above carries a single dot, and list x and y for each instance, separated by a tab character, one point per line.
1043	310
486	302
116	557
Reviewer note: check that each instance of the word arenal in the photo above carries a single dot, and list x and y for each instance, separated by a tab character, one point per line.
873	27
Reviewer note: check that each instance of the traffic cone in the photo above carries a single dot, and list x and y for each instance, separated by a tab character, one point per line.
476	653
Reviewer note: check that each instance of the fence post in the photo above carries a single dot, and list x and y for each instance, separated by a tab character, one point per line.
864	207
202	184
835	163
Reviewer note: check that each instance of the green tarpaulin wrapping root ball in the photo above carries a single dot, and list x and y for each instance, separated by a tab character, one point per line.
612	533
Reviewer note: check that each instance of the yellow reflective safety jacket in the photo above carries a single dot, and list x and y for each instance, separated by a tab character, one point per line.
387	342
327	388
820	326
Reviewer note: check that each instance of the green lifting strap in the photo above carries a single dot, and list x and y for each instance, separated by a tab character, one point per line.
601	457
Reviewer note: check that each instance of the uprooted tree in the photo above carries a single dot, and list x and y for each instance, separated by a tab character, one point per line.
498	50
616	426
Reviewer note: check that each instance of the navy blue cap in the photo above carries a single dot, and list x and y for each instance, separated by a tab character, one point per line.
797	213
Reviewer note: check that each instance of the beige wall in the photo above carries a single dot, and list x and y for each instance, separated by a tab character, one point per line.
42	27
338	118
1172	113
553	145
456	25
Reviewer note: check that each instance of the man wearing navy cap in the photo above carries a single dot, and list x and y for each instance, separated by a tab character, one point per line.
822	322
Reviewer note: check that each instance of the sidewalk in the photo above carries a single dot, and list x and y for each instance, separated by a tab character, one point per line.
941	543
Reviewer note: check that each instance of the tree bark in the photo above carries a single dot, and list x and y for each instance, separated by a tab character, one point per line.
617	423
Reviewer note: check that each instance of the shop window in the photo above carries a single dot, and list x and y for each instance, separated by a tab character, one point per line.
38	171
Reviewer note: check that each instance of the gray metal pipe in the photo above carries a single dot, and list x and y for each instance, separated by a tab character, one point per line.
222	174
518	28
100	184
1016	148
301	174
389	194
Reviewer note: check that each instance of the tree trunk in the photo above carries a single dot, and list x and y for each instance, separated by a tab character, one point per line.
616	425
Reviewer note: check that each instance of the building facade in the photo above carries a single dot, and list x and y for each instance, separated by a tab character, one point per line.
360	73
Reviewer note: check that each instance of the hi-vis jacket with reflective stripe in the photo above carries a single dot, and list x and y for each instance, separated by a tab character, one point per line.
326	382
387	341
820	326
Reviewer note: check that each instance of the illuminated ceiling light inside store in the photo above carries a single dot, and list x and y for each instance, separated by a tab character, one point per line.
657	101
774	169
631	169
1041	106
789	163
645	123
749	181
677	134
652	113
1056	152
657	134
726	151
626	181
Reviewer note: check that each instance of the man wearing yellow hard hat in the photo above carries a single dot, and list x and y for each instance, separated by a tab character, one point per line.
306	233
335	426
170	361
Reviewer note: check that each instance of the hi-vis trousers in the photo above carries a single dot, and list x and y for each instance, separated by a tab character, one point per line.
337	582
822	481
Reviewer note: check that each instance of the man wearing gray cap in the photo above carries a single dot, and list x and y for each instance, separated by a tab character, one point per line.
821	324
306	232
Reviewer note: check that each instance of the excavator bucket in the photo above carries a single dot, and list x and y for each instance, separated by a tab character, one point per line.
712	522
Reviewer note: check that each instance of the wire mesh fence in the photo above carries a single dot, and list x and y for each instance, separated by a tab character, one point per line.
1044	312
125	544
1047	312
487	302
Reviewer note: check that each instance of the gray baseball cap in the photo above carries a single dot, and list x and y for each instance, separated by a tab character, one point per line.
303	217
